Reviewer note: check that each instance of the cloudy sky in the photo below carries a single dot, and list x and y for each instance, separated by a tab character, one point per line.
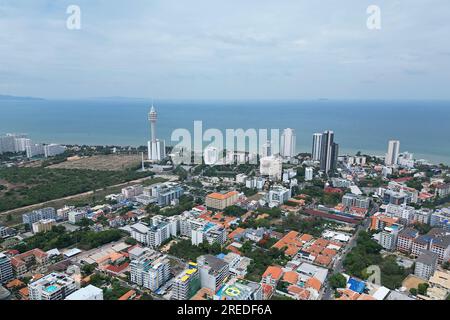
301	49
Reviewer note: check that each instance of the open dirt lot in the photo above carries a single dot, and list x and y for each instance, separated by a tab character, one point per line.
106	162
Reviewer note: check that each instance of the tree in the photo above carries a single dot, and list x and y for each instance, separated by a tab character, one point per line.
337	280
413	291
422	288
130	241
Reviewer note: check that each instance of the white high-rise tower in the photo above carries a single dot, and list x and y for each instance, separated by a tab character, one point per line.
393	153
156	148
317	146
288	143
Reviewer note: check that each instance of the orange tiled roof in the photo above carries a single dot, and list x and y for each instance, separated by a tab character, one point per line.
365	297
221	196
321	242
323	260
306	237
291	277
274	272
347	294
24	292
313	283
128	295
302	294
329	252
235	232
14	283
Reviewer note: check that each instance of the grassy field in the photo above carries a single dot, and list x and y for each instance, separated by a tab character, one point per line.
27	186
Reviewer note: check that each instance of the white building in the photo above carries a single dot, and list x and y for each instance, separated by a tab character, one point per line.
426	264
309	174
151	270
288	141
393	153
132	191
211	155
52	150
34	150
271	167
156	147
278	195
213	272
87	293
54	286
317	146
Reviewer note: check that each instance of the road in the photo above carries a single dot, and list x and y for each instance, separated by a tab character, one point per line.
42	204
338	266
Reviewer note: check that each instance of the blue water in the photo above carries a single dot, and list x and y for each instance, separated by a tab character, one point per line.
421	126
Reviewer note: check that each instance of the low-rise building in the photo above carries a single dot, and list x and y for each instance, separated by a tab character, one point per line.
55	286
89	292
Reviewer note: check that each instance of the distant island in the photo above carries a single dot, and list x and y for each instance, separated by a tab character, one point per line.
7	97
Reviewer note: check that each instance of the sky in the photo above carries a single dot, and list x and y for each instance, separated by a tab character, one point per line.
227	49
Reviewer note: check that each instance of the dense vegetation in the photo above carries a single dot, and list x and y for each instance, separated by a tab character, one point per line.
234	211
367	253
59	238
337	280
261	259
312	226
185	250
35	185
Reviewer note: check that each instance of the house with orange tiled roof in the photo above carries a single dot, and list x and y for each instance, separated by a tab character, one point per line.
313	283
291	243
290	277
267	291
16	283
323	260
130	295
272	275
299	293
24	262
236	233
347	294
24	293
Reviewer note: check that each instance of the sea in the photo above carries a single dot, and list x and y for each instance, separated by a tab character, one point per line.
423	127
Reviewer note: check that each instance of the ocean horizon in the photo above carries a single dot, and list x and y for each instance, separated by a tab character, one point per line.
359	125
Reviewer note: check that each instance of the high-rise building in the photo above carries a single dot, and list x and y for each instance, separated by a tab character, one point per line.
150	270
329	152
317	146
393	153
52	150
6	271
288	141
186	284
266	149
156	147
213	272
271	166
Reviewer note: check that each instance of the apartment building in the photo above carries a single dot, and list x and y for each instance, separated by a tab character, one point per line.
150	270
43	225
26	261
6	271
55	286
405	239
213	272
426	264
186	284
36	215
220	201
